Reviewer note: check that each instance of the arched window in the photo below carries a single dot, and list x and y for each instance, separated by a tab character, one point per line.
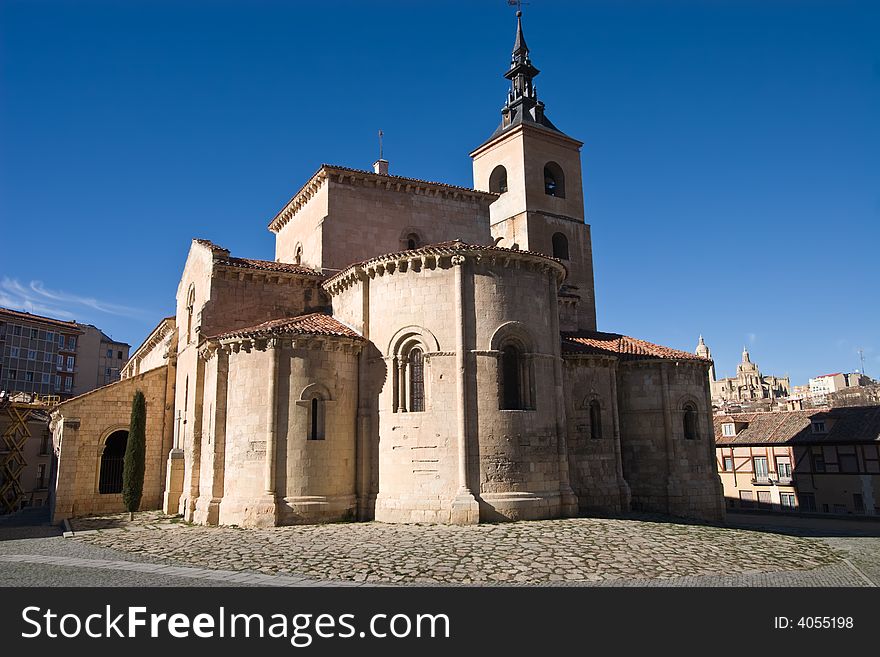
314	399
690	421
190	306
511	379
416	381
314	413
498	180
112	460
554	180
595	419
560	246
412	241
298	254
409	391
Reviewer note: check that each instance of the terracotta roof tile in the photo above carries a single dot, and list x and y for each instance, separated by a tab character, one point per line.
268	265
621	346
450	247
855	424
222	257
314	324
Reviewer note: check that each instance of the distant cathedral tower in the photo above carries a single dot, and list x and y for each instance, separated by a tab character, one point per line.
536	169
703	351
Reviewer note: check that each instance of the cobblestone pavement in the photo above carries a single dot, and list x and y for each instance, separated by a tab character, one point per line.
639	551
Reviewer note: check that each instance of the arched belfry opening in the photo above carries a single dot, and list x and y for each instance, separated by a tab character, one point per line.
554	180
560	246
498	180
112	461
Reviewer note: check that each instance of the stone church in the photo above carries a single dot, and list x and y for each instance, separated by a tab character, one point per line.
416	352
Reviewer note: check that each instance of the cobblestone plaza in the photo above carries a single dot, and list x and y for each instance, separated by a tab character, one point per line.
640	551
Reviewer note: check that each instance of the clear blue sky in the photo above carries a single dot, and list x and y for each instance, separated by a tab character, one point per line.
731	157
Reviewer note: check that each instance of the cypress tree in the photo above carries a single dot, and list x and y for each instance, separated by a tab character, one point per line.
135	456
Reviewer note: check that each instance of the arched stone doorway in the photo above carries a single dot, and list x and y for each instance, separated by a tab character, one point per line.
112	458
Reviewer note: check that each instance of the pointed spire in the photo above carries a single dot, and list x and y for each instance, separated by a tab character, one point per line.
745	355
519	46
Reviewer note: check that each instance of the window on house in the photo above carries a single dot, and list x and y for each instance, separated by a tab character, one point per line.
416	369
595	419
41	476
29	377
70	363
746	499
783	467
690	421
68	383
554	180
13	375
728	464
808	502
16	329
50	336
848	463
818	426
786	501
858	503
818	462
57	382
498	180
32	354
119	355
44	444
71	343
728	429
413	241
759	463
109	353
560	246
60	341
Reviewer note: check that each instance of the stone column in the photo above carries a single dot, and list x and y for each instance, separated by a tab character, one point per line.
401	384
363	453
672	483
219	422
716	486
266	510
568	499
622	484
465	510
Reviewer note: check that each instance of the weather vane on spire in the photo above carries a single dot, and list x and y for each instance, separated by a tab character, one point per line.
518	4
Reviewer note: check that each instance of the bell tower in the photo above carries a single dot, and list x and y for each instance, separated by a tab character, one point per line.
536	169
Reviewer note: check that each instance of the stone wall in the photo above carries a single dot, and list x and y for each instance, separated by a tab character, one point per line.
666	472
594	453
82	425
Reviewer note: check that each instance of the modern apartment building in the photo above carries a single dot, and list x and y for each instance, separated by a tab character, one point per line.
50	356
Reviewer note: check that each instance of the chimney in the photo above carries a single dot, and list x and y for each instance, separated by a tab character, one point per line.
380	166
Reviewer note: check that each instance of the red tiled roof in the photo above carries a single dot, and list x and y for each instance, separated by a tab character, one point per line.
30	317
269	265
222	257
450	247
314	324
855	424
621	346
